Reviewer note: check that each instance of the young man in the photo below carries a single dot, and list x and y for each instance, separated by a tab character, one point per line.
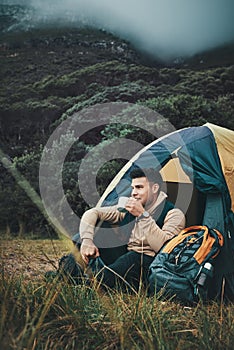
155	222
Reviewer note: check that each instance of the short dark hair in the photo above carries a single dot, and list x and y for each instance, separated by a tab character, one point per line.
151	174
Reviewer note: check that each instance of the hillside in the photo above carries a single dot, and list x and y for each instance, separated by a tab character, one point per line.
45	72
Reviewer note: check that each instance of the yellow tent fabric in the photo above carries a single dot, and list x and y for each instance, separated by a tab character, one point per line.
225	144
173	172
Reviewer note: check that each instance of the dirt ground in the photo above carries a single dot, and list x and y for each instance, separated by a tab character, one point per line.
30	259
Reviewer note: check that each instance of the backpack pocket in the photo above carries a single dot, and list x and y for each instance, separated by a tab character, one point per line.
171	284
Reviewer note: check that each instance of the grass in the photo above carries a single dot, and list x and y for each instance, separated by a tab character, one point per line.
46	315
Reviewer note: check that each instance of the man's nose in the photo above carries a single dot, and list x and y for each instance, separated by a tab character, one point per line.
134	192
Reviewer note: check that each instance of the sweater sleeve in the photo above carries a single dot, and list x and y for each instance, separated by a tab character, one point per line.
174	222
92	216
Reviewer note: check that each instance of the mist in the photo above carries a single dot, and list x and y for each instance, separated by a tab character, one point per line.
166	29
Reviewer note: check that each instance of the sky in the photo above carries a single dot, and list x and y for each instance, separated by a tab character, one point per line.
165	28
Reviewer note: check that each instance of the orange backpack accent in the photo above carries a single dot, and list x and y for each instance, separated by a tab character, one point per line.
205	247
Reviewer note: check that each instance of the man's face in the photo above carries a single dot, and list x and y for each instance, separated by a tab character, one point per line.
143	190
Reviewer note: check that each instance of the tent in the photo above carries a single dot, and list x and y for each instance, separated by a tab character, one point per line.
197	165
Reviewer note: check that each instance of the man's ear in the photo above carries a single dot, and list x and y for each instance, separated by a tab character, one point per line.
155	188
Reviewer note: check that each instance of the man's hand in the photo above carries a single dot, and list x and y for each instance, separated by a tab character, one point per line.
88	250
134	206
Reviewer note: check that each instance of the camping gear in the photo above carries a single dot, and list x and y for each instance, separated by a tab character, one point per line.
185	265
197	166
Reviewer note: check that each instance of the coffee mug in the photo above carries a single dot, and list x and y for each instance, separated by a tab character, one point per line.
121	204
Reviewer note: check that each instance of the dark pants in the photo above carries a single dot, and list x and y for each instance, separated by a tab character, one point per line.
118	267
125	272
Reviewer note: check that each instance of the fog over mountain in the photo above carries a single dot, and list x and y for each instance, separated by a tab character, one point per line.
164	28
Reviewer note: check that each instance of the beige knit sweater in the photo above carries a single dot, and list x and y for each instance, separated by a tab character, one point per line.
146	237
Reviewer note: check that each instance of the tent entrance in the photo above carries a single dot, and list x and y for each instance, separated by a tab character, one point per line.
191	201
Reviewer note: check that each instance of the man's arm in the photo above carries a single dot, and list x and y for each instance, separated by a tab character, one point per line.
87	228
92	216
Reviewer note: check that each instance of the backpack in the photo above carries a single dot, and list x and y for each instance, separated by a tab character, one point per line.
184	267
